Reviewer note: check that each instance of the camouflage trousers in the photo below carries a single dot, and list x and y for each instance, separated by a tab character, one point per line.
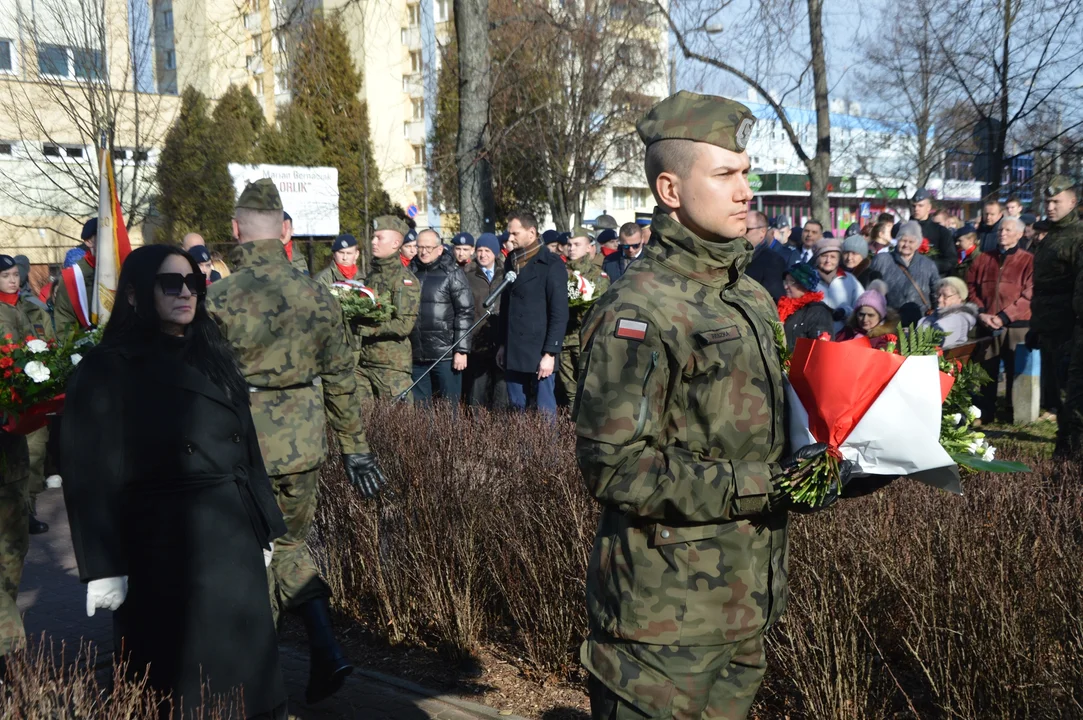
632	680
376	382
567	375
37	442
292	577
14	542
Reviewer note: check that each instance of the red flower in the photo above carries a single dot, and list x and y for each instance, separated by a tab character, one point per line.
924	248
824	336
30	337
8	336
891	338
7	373
6	362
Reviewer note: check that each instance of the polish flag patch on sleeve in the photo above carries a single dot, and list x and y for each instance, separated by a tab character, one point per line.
631	329
407	281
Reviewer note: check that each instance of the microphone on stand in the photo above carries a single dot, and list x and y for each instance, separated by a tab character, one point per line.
495	294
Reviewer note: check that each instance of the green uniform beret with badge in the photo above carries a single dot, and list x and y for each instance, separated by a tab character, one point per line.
390	222
1057	185
701	118
260	195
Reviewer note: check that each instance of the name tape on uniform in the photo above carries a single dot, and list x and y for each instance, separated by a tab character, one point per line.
712	337
631	329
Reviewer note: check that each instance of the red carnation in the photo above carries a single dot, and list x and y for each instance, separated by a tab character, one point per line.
924	246
6	362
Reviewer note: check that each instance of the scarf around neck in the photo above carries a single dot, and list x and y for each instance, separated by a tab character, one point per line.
787	305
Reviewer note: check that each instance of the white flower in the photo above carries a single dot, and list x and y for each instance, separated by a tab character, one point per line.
36	371
989	454
974	448
956	419
37	346
974	412
75	359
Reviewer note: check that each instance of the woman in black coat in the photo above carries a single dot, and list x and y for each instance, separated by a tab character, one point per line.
802	309
172	514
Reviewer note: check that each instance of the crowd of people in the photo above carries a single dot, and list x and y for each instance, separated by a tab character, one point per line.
186	522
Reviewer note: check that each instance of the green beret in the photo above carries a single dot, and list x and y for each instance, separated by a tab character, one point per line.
1057	185
390	222
260	195
580	231
702	118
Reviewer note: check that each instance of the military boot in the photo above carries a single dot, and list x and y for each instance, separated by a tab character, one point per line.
328	666
37	527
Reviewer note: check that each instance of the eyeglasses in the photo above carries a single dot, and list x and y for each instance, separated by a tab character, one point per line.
426	248
171	283
632	247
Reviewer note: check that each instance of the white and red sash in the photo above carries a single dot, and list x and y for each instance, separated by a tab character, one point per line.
76	287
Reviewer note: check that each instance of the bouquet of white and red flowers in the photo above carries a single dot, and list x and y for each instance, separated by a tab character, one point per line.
902	410
580	291
362	304
34	373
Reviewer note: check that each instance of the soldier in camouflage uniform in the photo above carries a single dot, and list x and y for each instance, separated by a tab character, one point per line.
15	326
679	421
1057	314
579	261
288	334
295	255
385	360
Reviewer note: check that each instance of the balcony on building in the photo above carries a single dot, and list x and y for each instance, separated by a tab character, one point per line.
415	132
414	85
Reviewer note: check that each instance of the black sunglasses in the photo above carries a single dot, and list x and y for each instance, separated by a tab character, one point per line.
633	247
171	283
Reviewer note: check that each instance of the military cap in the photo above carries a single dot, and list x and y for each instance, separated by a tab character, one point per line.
390	222
6	262
965	230
503	237
1028	218
200	253
922	194
260	195
643	219
463	238
410	237
606	235
702	118
580	231
564	238
1042	226
343	241
286	216
550	236
90	229
1058	184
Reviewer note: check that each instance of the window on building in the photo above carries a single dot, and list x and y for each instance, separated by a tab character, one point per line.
419	108
53	60
6	149
258	82
409	176
282	82
413	14
440	10
419	154
406	129
167	20
6	56
404	36
119	154
415	61
49	150
257	43
73	152
170	59
141	155
422	202
88	64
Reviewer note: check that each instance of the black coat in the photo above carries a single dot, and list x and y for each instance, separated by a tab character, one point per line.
767	268
534	311
446	312
164	483
942	240
615	264
809	322
485	340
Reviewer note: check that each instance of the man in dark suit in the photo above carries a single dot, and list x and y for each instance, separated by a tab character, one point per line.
631	248
767	266
533	317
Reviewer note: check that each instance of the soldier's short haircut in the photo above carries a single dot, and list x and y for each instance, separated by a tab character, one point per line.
526	218
672	156
258	224
629	229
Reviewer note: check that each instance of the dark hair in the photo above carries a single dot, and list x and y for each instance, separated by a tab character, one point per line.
207	351
814	221
885	217
525	218
1013	198
629	229
879	227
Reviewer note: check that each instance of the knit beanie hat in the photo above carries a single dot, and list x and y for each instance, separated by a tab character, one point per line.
910	228
872	299
827	244
804	275
856	244
957	285
488	240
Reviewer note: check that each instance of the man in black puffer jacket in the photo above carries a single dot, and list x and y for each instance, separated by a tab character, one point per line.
447	312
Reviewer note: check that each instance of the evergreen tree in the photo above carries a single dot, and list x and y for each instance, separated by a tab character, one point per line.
325	87
239	125
293	140
196	191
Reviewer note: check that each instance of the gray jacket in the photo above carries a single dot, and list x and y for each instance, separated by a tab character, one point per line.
911	299
955	322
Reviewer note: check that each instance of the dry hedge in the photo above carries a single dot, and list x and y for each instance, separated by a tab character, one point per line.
907	603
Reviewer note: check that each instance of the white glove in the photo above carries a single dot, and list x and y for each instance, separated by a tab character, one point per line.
267	554
53	482
107	593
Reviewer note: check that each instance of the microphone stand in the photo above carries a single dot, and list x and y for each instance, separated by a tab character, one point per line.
403	395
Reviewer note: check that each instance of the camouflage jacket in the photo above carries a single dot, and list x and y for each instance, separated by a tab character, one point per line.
593	273
1057	305
298	262
679	422
288	334
387	345
63	310
331	275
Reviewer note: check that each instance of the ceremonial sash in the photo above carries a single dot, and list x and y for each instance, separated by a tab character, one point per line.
76	287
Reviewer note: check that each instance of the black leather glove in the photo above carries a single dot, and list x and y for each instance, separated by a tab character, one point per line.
364	473
1032	340
779	499
839	315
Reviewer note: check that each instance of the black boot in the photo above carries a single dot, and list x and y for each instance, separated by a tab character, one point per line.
37	527
327	667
